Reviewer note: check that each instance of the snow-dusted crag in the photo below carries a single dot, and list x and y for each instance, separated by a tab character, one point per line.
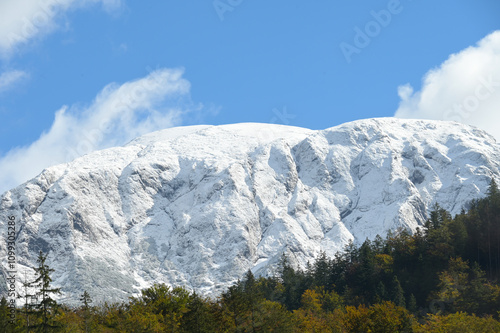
198	206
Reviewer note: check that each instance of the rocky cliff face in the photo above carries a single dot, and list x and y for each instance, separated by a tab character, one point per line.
198	206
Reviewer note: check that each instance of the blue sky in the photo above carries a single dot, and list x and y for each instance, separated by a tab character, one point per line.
76	76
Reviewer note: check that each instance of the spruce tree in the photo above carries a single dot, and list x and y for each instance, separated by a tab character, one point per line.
380	293
493	191
494	228
47	305
412	304
198	318
86	300
398	296
321	272
251	298
235	301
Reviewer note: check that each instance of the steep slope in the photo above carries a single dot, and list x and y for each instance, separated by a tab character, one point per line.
198	206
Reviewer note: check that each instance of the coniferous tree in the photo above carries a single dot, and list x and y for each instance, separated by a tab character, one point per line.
86	300
438	217
398	296
412	304
251	298
459	236
494	228
380	293
234	300
199	317
365	275
493	191
29	301
321	271
47	306
294	283
5	325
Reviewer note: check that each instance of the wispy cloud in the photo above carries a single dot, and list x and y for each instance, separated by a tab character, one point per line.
10	78
465	88
23	20
118	114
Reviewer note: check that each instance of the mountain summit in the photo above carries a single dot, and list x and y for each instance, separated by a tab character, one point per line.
198	206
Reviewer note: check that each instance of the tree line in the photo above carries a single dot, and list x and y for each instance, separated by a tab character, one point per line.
442	278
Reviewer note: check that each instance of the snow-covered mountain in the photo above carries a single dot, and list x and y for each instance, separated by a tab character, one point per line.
198	206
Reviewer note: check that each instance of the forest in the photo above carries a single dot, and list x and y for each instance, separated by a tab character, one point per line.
442	278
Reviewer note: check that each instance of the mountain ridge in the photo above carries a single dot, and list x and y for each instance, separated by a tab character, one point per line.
198	206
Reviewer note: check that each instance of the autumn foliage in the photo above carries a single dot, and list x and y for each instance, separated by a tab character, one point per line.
442	278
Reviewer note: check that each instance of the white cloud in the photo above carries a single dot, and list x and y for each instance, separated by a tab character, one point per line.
10	78
118	114
465	88
23	20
